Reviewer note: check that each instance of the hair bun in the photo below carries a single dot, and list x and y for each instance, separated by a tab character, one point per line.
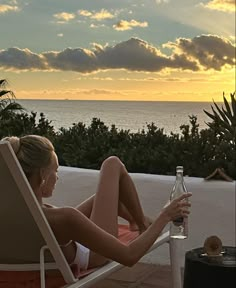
14	141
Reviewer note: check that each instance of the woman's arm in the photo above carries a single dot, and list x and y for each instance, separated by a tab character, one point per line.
68	223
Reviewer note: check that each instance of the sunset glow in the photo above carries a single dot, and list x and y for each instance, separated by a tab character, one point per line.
127	50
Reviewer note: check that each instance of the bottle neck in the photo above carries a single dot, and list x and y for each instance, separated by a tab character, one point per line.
179	176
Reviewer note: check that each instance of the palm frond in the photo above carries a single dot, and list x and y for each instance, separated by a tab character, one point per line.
229	113
233	103
15	106
230	116
224	118
222	113
209	114
5	92
3	82
9	110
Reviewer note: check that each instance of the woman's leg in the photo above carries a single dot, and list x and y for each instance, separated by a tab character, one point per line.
106	200
86	208
115	185
129	197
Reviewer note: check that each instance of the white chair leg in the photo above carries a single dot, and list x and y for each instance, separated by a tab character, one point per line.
42	267
175	263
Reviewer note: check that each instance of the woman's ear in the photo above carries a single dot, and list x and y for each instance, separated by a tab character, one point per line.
42	176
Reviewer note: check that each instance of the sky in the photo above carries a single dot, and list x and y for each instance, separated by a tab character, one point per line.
153	50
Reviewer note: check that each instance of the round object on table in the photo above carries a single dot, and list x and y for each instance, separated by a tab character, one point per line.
213	246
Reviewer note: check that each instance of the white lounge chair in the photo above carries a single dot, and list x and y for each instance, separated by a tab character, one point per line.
26	235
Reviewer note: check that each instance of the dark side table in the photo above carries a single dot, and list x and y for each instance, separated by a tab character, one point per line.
202	271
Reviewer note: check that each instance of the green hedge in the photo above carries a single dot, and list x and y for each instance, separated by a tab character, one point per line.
147	151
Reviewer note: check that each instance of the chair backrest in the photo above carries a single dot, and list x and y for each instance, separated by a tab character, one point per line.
23	226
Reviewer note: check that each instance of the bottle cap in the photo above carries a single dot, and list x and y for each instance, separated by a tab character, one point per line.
178	168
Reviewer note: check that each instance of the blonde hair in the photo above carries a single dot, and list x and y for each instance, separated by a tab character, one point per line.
33	152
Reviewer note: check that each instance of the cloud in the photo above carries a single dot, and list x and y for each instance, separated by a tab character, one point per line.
95	26
101	91
103	14
211	52
123	25
80	60
162	1
201	53
71	93
221	5
85	13
101	78
100	15
7	8
21	59
64	17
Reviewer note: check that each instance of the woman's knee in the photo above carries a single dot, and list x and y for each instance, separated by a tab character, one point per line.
113	161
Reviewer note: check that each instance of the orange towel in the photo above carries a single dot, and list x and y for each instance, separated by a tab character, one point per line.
31	279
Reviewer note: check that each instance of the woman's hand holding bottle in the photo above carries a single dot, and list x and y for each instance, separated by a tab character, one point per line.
177	207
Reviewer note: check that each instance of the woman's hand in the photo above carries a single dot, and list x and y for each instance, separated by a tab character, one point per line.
177	207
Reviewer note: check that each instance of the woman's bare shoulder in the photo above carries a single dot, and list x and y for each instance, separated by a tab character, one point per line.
58	213
59	219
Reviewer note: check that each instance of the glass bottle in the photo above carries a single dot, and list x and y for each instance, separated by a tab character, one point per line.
179	227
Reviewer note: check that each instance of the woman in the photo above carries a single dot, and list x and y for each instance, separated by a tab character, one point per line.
88	233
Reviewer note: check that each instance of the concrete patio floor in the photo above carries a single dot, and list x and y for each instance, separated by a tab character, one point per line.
140	275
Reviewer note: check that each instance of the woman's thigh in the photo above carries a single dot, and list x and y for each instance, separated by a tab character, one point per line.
106	200
86	206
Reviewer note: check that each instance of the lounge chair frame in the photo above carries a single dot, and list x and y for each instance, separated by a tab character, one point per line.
10	162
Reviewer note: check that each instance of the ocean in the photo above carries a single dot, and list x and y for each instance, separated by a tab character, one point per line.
128	115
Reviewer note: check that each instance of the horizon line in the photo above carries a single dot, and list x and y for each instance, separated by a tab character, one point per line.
114	100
